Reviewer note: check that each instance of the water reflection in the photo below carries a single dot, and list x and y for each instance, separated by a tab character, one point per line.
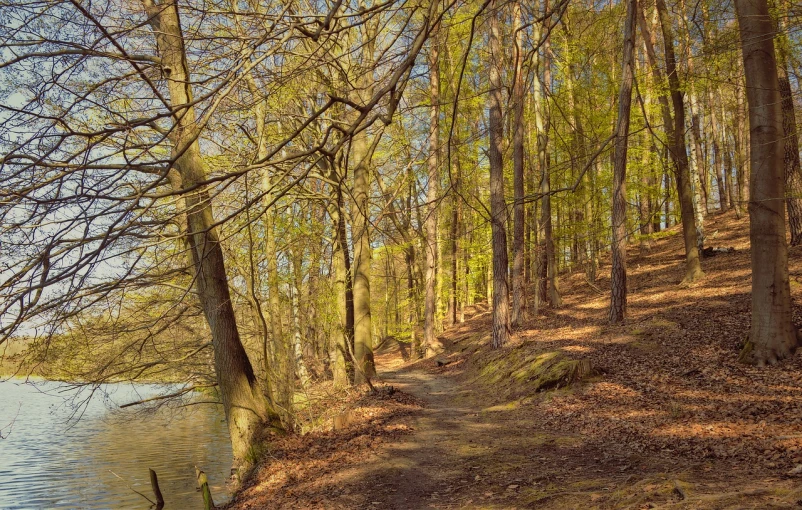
48	462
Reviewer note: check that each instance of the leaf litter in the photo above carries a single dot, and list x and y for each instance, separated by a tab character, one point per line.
667	418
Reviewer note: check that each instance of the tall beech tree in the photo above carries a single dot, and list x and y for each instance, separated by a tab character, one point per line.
772	335
430	342
518	247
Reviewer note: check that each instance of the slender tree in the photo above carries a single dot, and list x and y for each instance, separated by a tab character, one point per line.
679	154
430	342
618	275
243	399
498	208
518	248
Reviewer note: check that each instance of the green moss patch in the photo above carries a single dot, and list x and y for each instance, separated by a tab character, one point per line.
518	372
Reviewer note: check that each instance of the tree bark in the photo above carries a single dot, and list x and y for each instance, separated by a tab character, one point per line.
553	292
693	267
618	275
772	336
791	163
698	171
297	341
361	161
718	159
342	288
364	368
431	345
498	208
244	403
454	244
741	161
518	294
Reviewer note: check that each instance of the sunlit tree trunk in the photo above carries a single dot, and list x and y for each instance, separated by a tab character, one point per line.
297	340
498	209
363	340
518	293
541	261
618	275
697	168
361	163
244	403
727	147
454	244
718	159
553	293
741	145
431	345
772	336
693	267
342	288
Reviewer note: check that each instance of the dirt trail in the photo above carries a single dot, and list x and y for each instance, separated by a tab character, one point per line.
421	470
444	463
465	455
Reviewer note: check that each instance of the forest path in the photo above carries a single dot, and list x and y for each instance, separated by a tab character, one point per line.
433	466
425	469
461	454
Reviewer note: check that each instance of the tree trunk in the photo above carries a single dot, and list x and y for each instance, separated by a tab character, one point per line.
244	403
698	174
618	275
364	368
698	171
667	205
297	341
740	149
342	288
555	300
793	172
772	336
693	267
361	161
726	148
431	345
718	159
518	294
453	241
498	209
282	374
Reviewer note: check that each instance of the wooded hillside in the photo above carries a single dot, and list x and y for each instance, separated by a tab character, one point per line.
253	196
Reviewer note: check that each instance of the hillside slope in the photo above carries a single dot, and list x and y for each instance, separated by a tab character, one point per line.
665	417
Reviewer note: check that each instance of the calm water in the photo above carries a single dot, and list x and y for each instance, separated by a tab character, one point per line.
48	461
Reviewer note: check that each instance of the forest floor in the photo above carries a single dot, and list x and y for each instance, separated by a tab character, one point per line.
667	419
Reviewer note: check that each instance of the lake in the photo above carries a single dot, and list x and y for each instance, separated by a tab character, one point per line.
48	459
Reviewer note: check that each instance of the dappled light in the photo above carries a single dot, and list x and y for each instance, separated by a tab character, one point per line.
459	254
668	406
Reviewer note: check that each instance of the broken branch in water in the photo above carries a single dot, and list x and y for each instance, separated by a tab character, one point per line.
126	484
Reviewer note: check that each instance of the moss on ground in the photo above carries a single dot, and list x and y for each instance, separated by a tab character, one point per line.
520	372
